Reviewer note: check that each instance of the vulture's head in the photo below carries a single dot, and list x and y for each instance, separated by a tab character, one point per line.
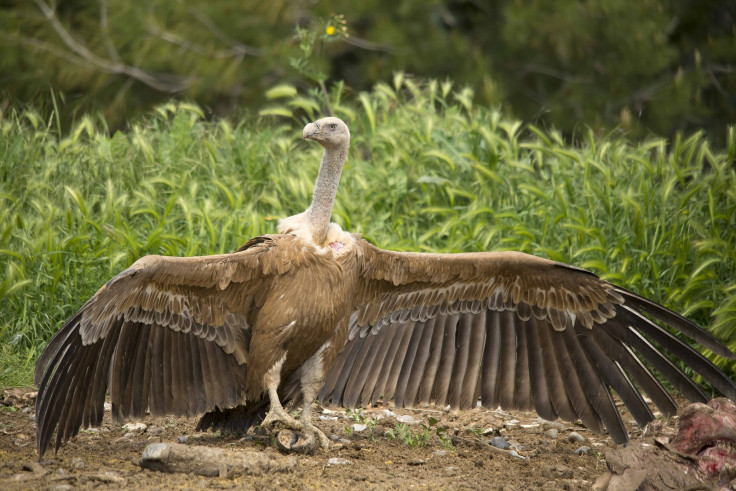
328	132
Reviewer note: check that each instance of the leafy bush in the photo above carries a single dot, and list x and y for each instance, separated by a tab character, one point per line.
428	171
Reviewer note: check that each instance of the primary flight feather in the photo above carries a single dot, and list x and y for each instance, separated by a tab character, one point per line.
314	311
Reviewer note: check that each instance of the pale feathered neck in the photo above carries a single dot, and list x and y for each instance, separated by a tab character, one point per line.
313	224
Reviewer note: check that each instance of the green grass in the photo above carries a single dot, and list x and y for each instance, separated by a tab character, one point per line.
427	171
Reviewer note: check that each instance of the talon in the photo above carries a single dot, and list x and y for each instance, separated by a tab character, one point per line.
278	415
324	442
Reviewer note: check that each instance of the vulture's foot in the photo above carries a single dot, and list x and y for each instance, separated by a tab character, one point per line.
324	442
305	442
279	415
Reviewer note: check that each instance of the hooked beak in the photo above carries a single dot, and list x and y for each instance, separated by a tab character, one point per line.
310	131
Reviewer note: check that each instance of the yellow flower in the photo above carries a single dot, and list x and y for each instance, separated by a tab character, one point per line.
330	30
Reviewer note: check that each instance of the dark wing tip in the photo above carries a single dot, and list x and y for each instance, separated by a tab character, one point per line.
677	321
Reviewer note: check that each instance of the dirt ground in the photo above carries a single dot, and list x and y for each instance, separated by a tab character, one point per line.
459	458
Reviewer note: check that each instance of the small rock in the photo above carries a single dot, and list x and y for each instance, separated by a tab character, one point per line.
575	437
551	433
512	422
499	442
451	469
183	439
582	450
440	453
551	424
337	461
110	477
359	427
344	441
488	431
327	418
78	463
328	411
60	472
135	427
129	435
108	406
387	413
408	419
334	438
517	455
156	431
529	426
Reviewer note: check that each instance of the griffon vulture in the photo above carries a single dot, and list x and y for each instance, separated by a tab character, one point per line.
316	311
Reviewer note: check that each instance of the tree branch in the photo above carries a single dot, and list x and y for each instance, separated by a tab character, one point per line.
161	82
236	46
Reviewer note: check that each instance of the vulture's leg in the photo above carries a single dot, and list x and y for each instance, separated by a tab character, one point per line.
312	378
276	413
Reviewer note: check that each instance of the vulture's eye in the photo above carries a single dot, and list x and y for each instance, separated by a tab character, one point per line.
333	127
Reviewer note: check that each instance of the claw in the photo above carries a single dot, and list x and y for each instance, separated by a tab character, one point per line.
324	442
278	415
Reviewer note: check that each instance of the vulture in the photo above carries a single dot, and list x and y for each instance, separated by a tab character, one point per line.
316	312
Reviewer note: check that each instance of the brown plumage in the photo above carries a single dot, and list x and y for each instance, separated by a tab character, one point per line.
317	308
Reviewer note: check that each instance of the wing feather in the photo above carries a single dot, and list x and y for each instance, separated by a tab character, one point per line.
520	332
169	335
537	377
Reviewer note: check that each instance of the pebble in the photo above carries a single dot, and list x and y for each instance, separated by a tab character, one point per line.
488	431
108	406
499	442
136	427
408	419
129	434
440	453
387	413
359	427
327	418
337	461
517	455
512	422
575	437
551	433
582	450
551	424
155	431
183	439
78	463
451	469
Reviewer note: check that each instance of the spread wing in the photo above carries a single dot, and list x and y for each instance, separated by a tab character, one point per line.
513	330
168	334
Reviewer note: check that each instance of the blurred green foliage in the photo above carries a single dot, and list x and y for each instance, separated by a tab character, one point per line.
648	66
428	171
